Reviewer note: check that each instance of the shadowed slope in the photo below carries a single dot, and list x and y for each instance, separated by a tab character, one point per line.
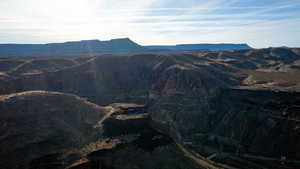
37	123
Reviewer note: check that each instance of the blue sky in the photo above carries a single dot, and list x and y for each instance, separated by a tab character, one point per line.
260	23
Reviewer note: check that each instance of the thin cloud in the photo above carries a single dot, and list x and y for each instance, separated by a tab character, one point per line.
147	21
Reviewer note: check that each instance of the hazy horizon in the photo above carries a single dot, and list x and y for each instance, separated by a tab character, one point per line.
151	22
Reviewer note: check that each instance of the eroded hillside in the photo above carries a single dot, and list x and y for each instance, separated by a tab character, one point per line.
41	129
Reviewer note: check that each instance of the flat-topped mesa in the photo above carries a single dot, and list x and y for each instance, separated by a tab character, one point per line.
83	47
124	40
92	40
201	47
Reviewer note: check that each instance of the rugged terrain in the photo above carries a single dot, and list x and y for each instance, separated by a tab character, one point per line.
238	108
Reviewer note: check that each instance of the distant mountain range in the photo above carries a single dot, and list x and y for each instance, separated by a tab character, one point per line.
91	47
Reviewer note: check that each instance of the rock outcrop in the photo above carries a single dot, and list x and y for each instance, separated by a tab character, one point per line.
41	129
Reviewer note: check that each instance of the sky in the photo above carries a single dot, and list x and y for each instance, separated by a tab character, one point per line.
260	23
